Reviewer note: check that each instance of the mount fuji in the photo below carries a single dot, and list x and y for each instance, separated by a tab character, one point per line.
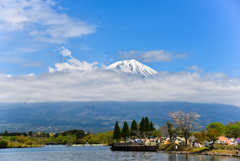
133	66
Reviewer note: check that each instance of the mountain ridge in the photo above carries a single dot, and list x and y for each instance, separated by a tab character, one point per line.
101	116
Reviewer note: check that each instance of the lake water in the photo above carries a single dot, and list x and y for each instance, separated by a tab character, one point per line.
60	152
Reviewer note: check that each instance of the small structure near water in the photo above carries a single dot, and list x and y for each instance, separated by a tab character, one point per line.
151	146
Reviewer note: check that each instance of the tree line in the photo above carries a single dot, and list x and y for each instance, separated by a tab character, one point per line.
144	129
6	133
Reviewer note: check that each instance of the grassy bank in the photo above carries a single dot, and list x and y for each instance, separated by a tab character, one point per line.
216	149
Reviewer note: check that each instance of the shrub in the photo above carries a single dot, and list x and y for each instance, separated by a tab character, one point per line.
10	145
22	139
13	138
3	144
225	147
29	142
19	145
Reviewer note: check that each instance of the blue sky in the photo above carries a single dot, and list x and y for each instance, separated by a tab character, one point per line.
206	32
58	50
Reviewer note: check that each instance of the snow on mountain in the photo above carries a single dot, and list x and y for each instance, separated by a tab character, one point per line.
133	66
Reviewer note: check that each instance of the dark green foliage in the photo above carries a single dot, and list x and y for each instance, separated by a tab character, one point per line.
134	128
80	134
171	131
89	133
125	130
30	133
147	125
56	135
142	125
5	133
117	132
233	130
13	138
219	126
151	127
3	144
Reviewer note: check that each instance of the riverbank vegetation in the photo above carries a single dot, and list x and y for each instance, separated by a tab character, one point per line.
38	139
184	134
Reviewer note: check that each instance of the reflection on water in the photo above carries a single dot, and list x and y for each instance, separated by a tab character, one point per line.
56	153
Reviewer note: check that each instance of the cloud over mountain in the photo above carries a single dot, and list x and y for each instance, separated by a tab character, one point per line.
109	85
82	81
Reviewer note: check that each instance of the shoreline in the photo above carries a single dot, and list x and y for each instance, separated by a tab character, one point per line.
197	153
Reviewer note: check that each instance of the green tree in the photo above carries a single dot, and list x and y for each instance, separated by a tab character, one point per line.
134	129
156	133
213	134
233	130
5	133
171	131
3	144
125	131
116	132
142	125
147	125
201	137
89	133
219	126
80	134
30	133
152	127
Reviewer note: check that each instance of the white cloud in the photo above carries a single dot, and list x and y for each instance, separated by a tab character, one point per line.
41	21
195	68
31	75
73	63
64	51
108	85
50	69
150	56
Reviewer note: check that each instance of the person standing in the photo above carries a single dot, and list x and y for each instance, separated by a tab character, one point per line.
237	151
176	147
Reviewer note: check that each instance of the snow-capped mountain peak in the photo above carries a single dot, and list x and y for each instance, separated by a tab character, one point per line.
133	66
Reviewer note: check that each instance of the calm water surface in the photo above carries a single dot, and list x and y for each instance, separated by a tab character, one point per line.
60	152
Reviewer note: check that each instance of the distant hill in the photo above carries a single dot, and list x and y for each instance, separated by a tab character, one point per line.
101	116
